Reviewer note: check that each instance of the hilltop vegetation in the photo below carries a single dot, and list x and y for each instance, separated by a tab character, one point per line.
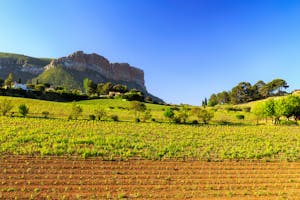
245	92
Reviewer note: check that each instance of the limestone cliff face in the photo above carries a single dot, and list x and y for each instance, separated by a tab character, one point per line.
100	66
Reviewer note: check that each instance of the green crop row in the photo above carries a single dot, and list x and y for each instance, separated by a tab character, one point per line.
125	140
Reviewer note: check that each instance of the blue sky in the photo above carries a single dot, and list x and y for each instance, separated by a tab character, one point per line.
188	49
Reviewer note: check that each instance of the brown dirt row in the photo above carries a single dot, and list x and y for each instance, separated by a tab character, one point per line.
29	177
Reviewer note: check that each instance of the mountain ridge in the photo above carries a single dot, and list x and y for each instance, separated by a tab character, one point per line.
75	67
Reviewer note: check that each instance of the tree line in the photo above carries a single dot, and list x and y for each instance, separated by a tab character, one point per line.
276	109
245	92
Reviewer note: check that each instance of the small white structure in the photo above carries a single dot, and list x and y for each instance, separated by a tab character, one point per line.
20	86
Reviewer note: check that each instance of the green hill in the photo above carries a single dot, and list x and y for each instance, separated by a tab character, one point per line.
58	76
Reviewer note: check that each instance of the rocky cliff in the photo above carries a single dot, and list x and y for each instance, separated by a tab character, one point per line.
70	71
99	69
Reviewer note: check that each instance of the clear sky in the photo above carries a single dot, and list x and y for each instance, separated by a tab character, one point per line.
188	49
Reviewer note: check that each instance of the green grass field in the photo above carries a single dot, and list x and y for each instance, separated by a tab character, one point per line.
238	140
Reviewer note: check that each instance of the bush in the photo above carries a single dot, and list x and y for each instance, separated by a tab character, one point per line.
23	110
153	119
45	114
240	116
246	109
92	117
115	118
75	112
195	122
5	106
288	122
137	120
100	113
234	109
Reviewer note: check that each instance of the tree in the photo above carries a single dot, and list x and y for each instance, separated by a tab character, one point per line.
9	80
223	97
120	88
76	111
23	110
5	106
100	113
203	115
137	107
147	115
277	86
204	102
89	87
213	100
257	90
169	113
134	95
183	113
241	93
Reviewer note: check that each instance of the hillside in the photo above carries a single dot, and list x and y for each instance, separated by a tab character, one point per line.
70	71
24	67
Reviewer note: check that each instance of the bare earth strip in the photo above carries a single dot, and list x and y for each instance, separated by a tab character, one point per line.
24	177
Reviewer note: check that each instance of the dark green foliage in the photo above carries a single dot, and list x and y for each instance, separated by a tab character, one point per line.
244	92
134	95
246	109
194	122
92	117
213	100
45	114
169	113
40	87
23	110
240	116
120	88
115	118
89	86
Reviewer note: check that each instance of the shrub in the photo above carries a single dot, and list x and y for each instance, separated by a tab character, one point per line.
75	112
288	122
169	113
137	120
195	122
23	110
5	106
114	118
240	116
100	113
92	117
45	114
246	109
153	119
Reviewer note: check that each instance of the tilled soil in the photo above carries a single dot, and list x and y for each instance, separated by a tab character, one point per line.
25	177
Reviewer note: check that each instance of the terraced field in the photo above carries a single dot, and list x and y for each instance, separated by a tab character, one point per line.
24	177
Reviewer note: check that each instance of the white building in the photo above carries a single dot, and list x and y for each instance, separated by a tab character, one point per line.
20	86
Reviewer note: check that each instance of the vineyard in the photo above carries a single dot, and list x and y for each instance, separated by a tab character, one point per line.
24	177
61	158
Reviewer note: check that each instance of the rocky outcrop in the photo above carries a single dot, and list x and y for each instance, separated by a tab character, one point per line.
118	72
